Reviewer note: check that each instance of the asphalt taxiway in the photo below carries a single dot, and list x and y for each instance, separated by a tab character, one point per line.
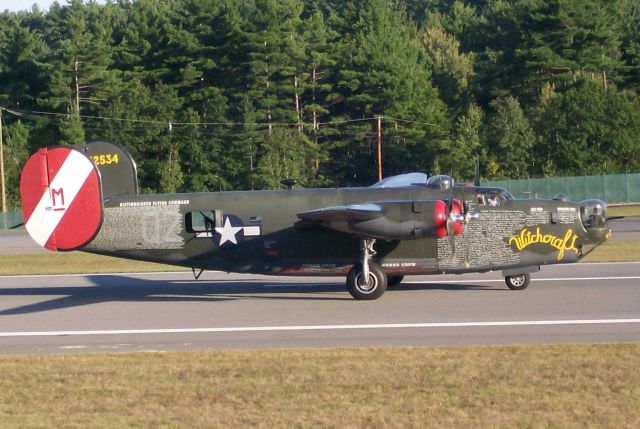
578	303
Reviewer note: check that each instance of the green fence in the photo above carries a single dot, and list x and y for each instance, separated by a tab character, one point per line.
616	188
10	219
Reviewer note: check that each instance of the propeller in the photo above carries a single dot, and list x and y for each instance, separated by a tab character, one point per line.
452	217
460	216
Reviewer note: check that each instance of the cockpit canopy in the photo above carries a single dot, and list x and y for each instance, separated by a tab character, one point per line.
440	182
492	197
402	180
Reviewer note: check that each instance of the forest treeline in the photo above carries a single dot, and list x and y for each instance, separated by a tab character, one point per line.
239	94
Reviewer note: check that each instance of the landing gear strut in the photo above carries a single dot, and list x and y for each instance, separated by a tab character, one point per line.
367	280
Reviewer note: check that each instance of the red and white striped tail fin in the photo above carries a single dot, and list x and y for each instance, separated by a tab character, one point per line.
61	198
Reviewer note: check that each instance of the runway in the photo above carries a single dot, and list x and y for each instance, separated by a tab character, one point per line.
579	303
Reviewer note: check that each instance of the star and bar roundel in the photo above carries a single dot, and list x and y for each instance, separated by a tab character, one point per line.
232	232
61	198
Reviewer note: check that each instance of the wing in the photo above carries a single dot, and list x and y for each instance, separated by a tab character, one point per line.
389	220
350	213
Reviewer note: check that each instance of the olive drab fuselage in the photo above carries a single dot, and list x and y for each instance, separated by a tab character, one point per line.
259	232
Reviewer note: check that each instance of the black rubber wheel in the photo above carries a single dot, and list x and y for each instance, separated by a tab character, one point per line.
394	280
373	289
518	282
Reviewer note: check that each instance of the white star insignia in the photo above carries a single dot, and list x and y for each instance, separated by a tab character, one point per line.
228	232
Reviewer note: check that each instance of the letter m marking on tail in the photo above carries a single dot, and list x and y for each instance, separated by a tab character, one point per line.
55	195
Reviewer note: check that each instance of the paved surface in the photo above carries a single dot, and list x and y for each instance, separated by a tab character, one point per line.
625	229
16	242
171	311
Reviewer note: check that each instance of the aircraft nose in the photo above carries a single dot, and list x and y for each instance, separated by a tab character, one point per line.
593	214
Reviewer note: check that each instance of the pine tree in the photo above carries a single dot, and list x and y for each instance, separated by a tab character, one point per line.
80	73
22	66
451	69
466	145
511	138
382	73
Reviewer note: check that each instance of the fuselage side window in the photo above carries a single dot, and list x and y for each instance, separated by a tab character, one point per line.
200	221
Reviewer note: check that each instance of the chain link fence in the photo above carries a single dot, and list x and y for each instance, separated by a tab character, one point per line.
615	188
10	219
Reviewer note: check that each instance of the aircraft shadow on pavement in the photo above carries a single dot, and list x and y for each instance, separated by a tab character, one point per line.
114	288
444	286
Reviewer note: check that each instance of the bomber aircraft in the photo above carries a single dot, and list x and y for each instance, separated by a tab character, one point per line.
87	199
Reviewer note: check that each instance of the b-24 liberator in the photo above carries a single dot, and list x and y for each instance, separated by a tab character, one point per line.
87	199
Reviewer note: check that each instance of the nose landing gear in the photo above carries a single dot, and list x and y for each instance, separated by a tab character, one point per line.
518	281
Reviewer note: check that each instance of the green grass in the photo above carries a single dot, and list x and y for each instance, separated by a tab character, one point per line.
74	263
522	386
626	210
615	251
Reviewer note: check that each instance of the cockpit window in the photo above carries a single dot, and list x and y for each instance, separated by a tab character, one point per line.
493	197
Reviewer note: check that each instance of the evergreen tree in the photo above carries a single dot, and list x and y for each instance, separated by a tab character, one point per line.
383	73
466	146
79	70
511	138
200	91
564	40
451	69
22	66
594	130
285	154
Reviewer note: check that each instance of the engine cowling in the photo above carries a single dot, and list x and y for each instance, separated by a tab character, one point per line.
407	220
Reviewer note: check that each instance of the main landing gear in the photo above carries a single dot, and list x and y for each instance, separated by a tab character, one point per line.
367	280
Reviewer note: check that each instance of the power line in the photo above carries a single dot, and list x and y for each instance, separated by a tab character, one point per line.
31	113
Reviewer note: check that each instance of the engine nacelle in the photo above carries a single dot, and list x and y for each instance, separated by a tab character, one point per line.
408	220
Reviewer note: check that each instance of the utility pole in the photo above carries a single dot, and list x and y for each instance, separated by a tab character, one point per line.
379	147
4	198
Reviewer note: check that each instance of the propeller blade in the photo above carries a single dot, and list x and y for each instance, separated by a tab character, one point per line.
452	238
616	217
450	199
465	206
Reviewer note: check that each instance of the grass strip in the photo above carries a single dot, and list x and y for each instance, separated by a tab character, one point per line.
624	210
501	386
615	251
74	263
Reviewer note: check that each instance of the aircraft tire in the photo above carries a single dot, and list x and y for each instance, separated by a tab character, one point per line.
394	280
518	282
373	289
